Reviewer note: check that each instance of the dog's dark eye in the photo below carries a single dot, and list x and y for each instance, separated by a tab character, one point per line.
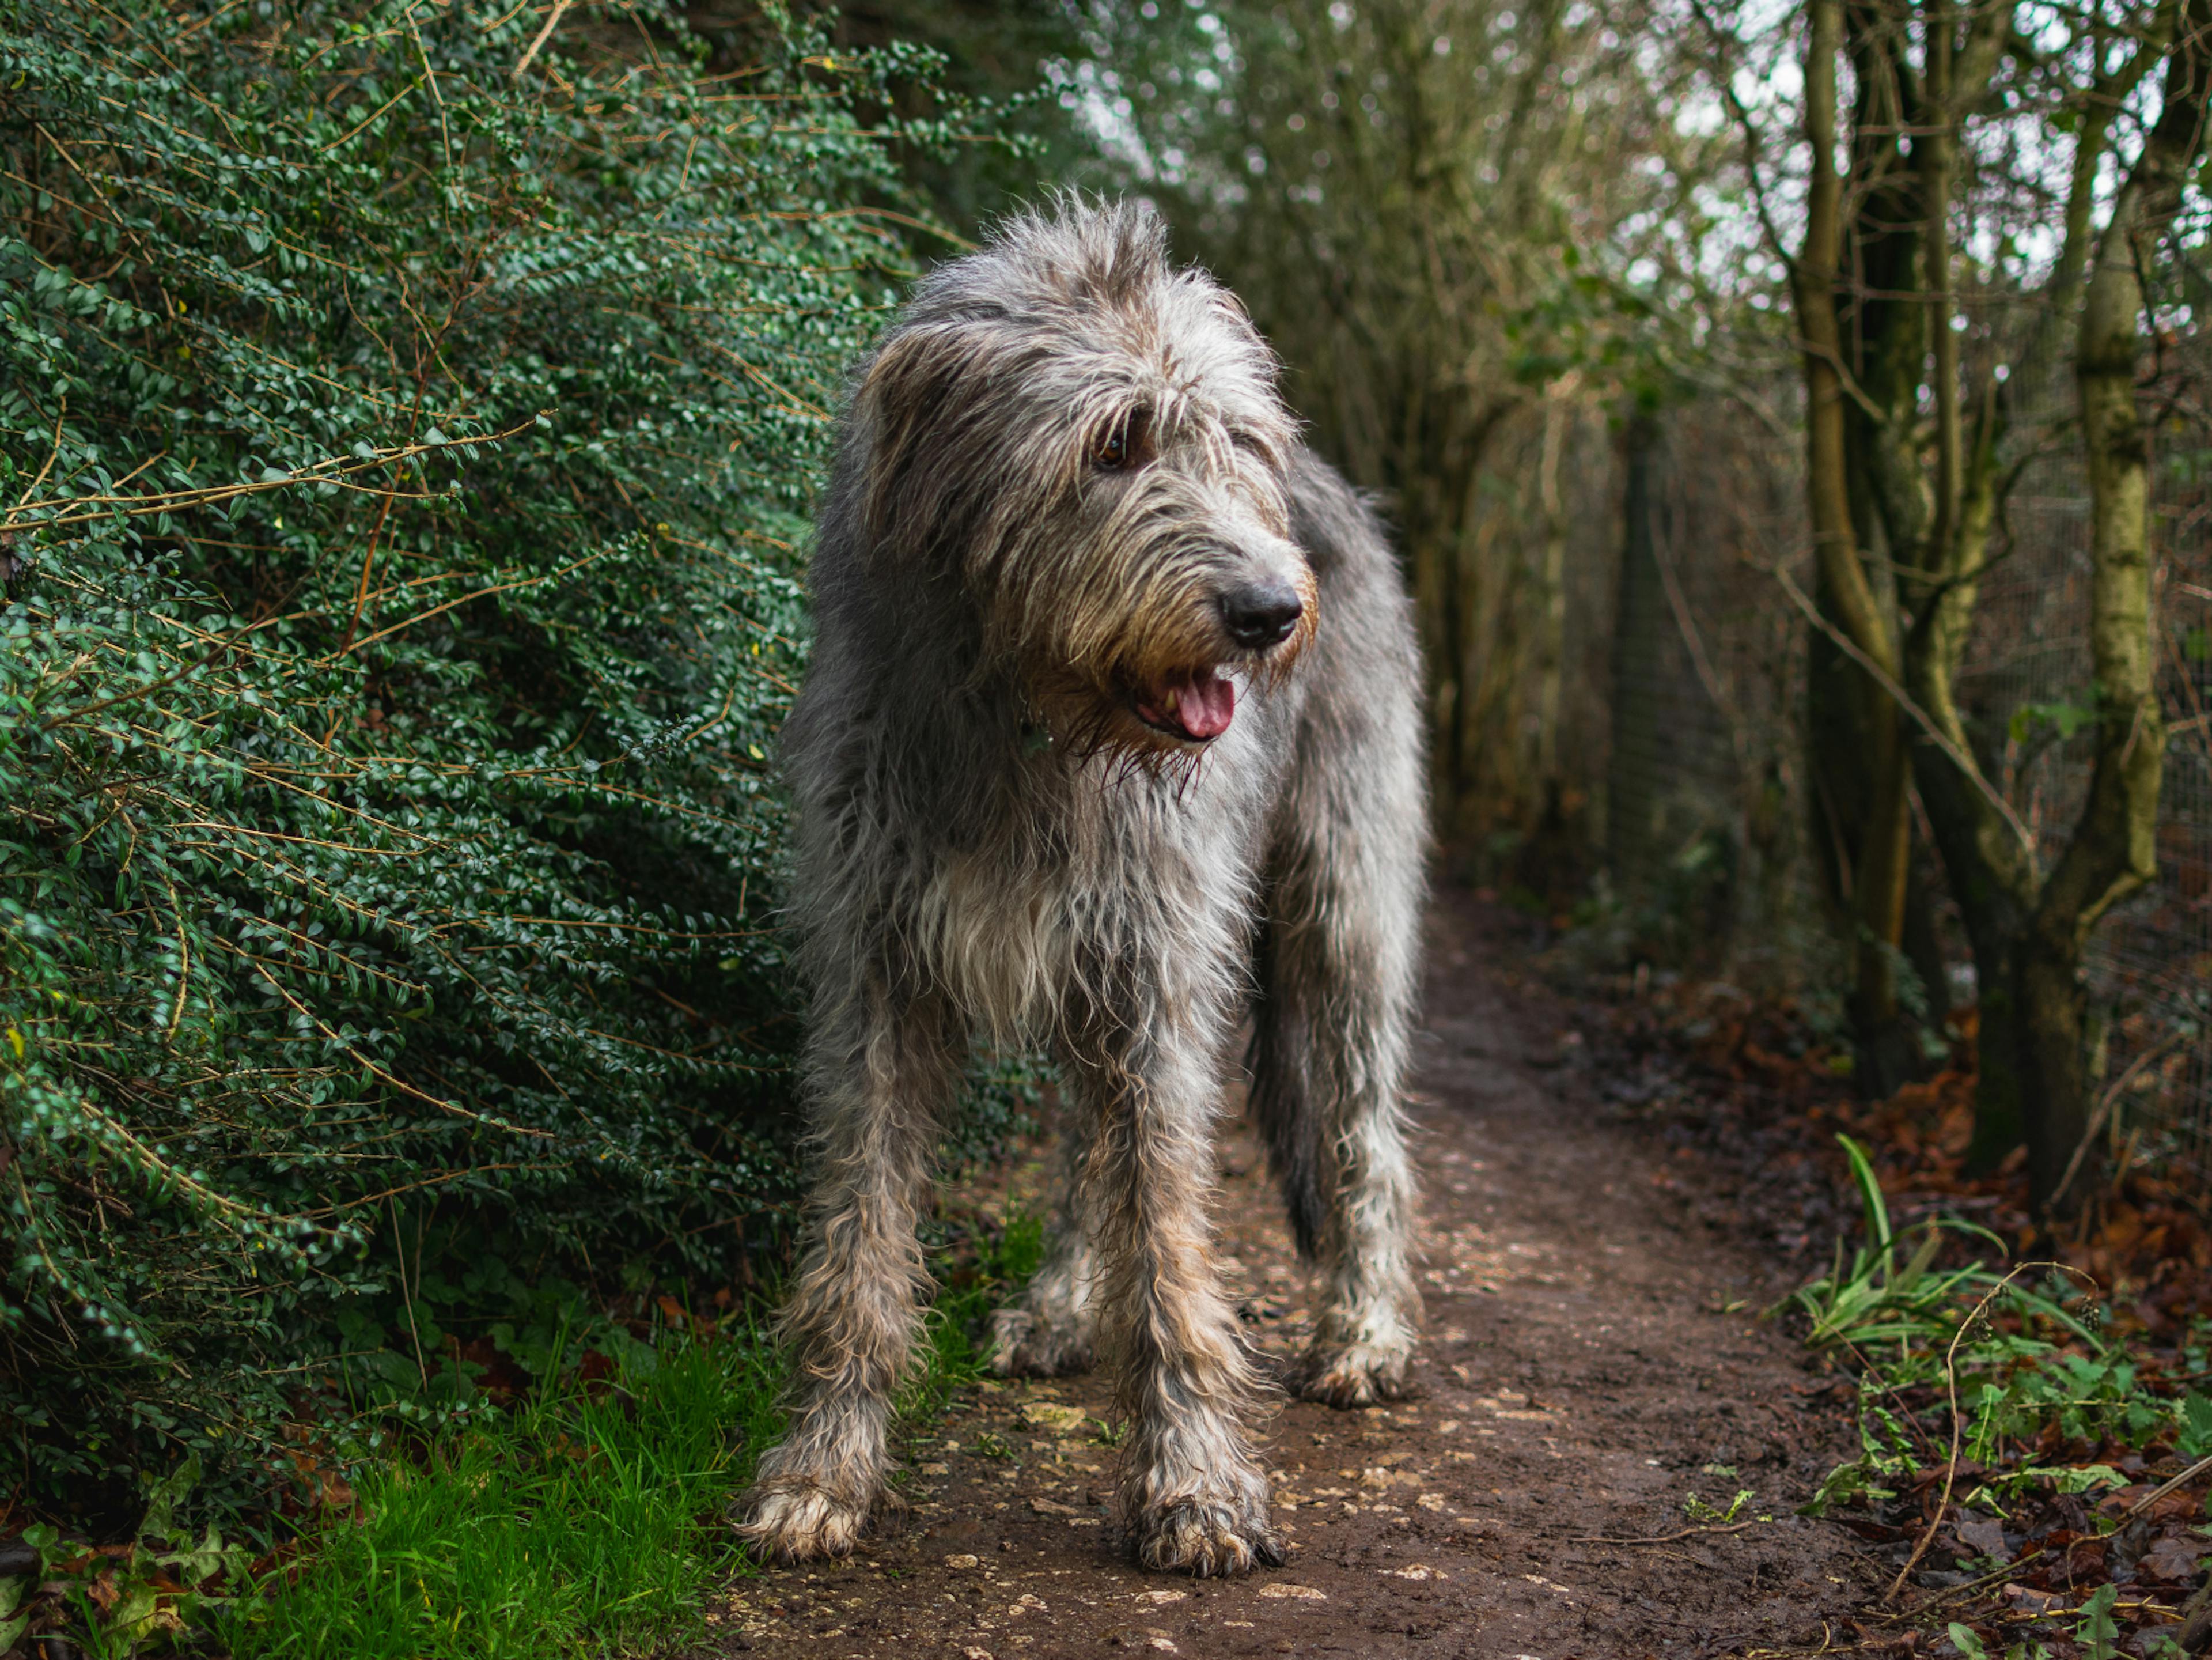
1123	445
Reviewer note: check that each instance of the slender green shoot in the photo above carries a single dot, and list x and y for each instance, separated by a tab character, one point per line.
1883	1296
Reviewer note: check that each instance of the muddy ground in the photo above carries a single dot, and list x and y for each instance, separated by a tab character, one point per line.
1595	1373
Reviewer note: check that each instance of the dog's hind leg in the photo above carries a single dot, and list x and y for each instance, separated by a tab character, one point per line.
1051	1330
882	1069
1193	1497
1337	963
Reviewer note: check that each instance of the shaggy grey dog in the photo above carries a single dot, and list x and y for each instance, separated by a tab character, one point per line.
1112	723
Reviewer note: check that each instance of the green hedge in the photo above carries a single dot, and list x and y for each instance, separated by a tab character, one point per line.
404	458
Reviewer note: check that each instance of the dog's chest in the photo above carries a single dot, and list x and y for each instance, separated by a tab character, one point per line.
1089	888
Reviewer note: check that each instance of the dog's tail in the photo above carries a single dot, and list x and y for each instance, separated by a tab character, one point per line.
1283	1065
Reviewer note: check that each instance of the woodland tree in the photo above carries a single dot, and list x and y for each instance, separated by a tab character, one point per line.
1941	142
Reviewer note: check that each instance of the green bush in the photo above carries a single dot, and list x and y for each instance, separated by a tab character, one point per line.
404	459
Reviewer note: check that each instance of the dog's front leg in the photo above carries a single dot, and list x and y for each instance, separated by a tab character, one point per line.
881	1071
1193	1495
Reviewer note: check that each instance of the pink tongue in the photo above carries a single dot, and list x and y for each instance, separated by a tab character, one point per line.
1205	705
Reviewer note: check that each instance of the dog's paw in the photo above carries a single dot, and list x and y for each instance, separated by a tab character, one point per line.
1207	1538
1024	1344
793	1521
1350	1375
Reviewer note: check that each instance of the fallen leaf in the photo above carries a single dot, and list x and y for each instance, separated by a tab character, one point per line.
1050	1416
1982	1536
2171	1559
1300	1593
2031	1600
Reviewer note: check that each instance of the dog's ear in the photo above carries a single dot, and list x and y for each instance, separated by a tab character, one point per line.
907	407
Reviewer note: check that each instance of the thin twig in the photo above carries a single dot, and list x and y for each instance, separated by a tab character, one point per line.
1724	78
2165	1488
404	1088
1951	1389
2194	1617
60	415
332	470
132	693
530	52
1961	1592
909	222
1667	1538
406	1297
479	593
2104	1109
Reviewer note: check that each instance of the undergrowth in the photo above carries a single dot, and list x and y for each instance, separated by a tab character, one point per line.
2011	1430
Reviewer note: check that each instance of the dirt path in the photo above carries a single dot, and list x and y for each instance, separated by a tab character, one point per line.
1591	1366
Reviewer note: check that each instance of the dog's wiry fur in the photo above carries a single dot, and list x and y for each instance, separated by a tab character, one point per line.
1060	458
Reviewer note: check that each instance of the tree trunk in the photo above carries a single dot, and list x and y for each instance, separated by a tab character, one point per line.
2001	1106
2113	850
1552	594
2047	990
1640	716
1991	866
1860	771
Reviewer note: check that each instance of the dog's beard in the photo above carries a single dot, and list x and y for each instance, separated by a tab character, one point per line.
1096	719
1133	730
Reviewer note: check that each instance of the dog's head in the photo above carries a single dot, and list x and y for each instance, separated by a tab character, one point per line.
1092	443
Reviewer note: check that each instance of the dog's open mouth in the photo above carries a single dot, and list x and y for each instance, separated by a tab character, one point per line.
1197	708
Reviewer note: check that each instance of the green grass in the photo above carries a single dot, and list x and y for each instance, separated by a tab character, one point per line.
1879	1300
588	1520
572	1526
578	1525
978	1273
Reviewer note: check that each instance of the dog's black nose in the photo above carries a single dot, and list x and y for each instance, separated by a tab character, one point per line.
1260	614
